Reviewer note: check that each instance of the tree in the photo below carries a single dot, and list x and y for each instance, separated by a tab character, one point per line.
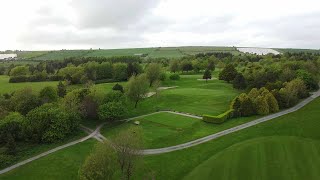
211	66
174	66
89	107
48	94
261	105
239	82
112	111
50	123
272	102
137	88
20	71
153	72
228	73
247	106
62	90
118	87
186	66
128	145
120	72
104	71
100	164
207	75
11	130
23	101
134	69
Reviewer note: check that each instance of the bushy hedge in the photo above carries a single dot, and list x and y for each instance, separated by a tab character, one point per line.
174	76
218	119
33	78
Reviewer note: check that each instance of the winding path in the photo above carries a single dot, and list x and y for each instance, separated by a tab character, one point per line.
96	133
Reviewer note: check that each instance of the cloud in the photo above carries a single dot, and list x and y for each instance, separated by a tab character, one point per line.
117	14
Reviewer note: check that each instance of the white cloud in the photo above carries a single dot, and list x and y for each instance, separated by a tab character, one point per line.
57	24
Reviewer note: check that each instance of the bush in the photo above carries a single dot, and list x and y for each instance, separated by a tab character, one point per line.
174	77
163	77
6	160
220	118
112	111
118	87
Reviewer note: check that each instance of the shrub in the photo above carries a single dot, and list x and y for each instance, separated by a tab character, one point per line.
163	76
174	77
112	111
6	160
118	87
220	118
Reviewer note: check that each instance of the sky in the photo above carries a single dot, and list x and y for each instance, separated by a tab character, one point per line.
109	24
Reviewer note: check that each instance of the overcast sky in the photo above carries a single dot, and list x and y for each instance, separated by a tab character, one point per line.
83	24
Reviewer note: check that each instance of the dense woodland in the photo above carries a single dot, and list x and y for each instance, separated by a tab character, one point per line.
269	83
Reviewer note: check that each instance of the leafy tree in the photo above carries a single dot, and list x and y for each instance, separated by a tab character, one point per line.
114	96
89	107
48	94
272	102
11	129
24	100
134	69
100	164
228	73
253	94
72	101
236	106
112	111
308	80
62	90
174	66
261	105
120	71
174	77
104	71
137	88
239	82
50	123
128	145
247	106
153	72
118	87
20	71
186	66
207	75
211	66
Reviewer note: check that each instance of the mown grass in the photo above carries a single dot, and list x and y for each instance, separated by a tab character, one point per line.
275	157
62	54
6	87
30	54
191	95
167	129
63	164
301	124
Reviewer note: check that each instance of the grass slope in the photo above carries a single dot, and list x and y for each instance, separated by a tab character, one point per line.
167	129
63	164
301	124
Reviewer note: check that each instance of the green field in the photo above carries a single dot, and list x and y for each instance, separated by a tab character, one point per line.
274	157
62	54
6	87
191	95
30	54
281	136
119	52
167	129
288	140
63	164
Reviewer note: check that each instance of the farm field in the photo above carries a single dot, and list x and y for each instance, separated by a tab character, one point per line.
30	54
119	52
62	54
166	129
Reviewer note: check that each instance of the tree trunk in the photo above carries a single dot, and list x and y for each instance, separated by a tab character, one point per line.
135	106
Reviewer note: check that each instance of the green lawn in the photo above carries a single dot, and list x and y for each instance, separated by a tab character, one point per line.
63	164
62	54
294	136
191	95
6	87
167	129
